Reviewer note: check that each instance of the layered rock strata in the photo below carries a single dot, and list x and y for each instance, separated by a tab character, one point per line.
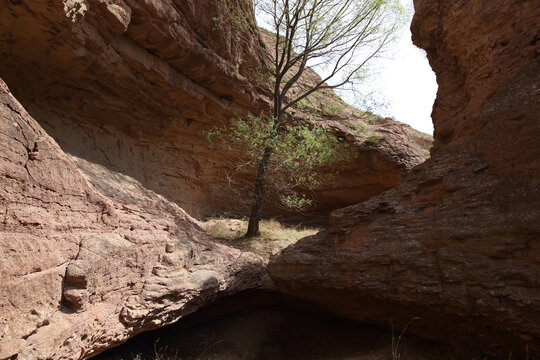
457	244
85	267
94	246
133	85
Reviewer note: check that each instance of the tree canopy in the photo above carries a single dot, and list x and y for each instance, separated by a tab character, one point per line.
337	38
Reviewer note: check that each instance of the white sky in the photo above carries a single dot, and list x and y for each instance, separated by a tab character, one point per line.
406	82
403	81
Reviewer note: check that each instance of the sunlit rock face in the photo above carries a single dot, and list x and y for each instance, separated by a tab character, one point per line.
133	85
457	244
83	268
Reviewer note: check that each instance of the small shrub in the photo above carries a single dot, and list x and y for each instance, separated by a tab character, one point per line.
216	22
333	108
374	138
357	126
396	340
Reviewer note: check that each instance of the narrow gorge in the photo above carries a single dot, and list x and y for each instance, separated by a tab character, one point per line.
106	178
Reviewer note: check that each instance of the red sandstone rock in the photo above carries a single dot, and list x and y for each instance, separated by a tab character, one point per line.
133	85
84	269
89	254
458	242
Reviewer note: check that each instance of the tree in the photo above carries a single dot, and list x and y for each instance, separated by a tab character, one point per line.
336	37
299	150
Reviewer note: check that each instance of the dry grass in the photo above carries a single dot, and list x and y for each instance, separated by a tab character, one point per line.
274	235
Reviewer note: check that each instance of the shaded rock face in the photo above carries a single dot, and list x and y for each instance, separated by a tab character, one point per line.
267	325
133	85
94	247
85	267
457	243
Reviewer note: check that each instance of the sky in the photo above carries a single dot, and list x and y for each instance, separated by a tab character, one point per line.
405	82
401	84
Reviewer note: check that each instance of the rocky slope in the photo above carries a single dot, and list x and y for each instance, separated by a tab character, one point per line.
84	268
457	243
133	85
94	247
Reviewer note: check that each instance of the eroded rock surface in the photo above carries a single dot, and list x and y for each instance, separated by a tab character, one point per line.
133	85
93	245
458	243
84	268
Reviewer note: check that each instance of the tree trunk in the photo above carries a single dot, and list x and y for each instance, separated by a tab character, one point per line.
258	194
255	216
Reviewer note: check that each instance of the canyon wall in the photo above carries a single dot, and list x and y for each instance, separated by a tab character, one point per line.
83	267
133	85
456	246
106	150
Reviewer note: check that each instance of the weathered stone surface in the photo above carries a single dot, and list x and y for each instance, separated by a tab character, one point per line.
84	268
133	85
457	244
92	250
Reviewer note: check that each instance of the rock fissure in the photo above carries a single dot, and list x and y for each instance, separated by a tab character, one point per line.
36	273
